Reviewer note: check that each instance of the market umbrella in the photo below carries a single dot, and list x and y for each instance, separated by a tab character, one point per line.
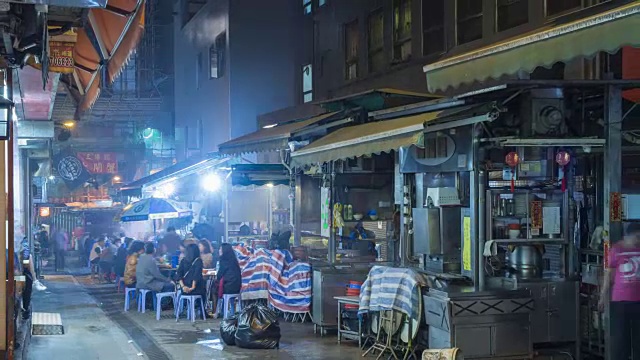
153	209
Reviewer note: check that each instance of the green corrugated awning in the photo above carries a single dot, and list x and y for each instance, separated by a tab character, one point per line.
365	139
607	31
269	139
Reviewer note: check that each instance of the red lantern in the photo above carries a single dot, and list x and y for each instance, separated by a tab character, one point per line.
563	159
512	159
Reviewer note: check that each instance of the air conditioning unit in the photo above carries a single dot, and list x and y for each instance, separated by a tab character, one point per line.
547	111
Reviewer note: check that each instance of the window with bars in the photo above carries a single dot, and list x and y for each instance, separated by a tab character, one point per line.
322	3
401	30
307	83
469	19
511	13
433	34
375	41
351	36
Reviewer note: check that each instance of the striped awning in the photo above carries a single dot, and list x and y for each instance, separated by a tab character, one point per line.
365	139
607	31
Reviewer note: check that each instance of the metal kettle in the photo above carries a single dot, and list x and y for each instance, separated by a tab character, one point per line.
526	262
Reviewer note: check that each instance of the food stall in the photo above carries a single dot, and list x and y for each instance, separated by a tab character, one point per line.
356	180
262	190
505	201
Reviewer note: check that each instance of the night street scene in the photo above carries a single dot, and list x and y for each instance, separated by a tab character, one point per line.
320	179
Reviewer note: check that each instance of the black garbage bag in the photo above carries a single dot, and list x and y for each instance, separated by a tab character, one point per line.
258	328
228	329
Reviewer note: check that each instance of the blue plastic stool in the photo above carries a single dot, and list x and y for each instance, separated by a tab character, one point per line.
158	302
129	293
142	299
191	307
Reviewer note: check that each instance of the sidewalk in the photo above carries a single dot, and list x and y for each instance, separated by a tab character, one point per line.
89	334
168	339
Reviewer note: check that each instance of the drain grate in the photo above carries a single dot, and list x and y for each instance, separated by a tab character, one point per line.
46	324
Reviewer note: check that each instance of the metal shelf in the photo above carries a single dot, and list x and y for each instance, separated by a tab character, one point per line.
534	241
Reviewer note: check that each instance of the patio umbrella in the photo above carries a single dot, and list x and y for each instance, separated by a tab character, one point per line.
153	209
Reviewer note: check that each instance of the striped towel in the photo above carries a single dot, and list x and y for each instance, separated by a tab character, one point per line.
389	288
272	275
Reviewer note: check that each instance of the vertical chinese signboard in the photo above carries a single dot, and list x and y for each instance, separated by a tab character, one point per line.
615	207
325	212
99	162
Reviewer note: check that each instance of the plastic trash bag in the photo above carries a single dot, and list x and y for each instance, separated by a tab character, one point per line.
228	329
258	328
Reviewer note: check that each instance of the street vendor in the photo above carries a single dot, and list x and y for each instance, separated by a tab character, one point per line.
621	285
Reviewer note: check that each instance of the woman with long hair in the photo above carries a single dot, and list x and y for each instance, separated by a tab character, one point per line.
229	272
205	253
192	282
229	275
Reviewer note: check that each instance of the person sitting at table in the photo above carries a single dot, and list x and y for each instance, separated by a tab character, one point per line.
192	282
148	276
205	253
136	248
228	274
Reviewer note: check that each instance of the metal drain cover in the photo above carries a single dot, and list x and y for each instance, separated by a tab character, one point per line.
46	324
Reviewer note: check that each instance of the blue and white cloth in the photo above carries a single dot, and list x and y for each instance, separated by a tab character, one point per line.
390	288
273	275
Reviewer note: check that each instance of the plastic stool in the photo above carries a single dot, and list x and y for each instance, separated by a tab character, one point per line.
119	283
159	297
226	299
128	294
142	299
191	306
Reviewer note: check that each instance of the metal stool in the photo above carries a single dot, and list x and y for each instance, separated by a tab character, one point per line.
387	321
128	294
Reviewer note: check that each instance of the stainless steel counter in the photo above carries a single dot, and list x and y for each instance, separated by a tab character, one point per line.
556	307
487	324
328	283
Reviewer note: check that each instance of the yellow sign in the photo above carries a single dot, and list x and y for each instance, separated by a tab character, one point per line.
466	244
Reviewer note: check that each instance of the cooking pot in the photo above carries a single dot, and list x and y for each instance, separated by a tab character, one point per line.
526	260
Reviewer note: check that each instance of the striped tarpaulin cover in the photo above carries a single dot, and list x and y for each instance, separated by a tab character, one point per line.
273	275
389	288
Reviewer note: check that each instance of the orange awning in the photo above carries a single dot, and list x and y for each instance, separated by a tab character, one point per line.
116	31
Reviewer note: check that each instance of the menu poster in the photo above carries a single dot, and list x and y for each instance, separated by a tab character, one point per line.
551	220
466	251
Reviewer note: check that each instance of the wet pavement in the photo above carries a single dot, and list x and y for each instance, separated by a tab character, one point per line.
88	332
96	312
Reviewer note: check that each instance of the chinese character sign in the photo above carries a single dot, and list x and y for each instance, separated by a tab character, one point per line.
99	162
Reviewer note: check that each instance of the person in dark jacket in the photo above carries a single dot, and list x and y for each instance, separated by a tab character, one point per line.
192	282
120	259
229	271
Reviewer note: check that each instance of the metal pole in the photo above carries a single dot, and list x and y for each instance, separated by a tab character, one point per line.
297	220
480	227
226	190
11	223
332	233
612	181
